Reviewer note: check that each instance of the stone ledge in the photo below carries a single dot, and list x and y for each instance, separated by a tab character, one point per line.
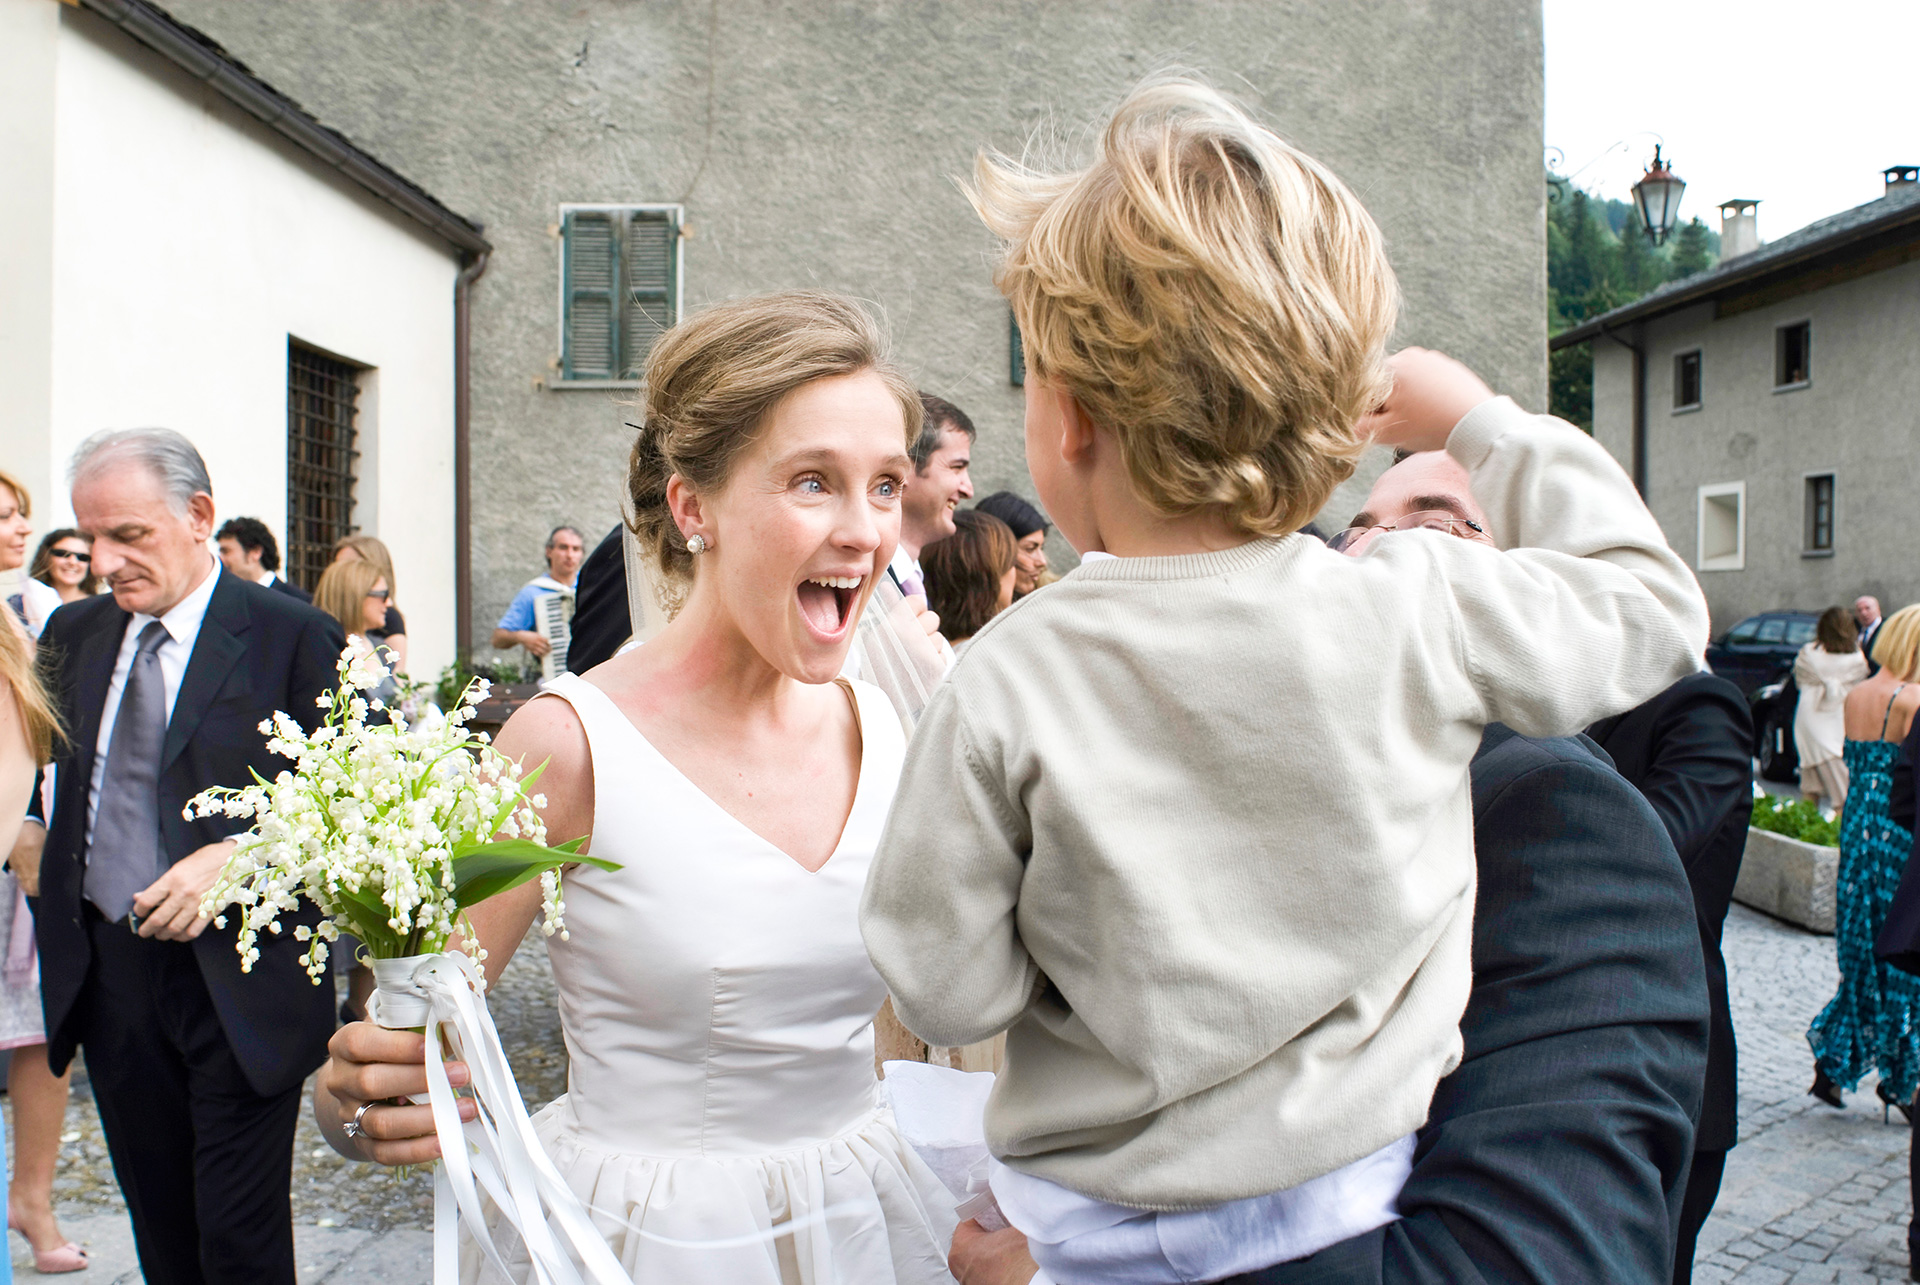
1788	879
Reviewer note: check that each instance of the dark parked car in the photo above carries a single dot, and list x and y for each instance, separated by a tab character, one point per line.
1757	655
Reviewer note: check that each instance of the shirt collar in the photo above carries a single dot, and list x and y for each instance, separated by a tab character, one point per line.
183	620
267	578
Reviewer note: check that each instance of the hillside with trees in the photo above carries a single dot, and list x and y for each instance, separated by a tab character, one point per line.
1597	260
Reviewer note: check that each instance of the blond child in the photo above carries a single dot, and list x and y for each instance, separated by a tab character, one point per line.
1194	825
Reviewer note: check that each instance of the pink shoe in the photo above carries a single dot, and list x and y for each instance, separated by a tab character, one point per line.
53	1262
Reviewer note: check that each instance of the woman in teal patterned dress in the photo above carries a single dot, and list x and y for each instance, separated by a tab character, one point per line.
1873	1022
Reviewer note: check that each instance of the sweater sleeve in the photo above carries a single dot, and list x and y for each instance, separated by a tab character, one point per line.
1590	612
938	910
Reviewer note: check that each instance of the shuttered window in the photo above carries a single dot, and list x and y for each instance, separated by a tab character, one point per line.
619	290
322	397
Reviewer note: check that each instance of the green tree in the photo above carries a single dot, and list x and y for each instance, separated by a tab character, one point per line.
1598	259
1691	251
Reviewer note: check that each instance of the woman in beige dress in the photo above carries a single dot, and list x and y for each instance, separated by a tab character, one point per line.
1825	671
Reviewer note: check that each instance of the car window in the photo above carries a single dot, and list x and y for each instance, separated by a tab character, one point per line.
1772	631
1744	631
1800	632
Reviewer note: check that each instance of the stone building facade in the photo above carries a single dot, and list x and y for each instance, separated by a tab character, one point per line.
816	144
1779	440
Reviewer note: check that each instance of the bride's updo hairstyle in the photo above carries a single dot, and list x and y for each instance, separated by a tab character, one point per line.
1216	300
711	382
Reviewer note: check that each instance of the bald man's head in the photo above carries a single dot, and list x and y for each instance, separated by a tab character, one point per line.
1431	488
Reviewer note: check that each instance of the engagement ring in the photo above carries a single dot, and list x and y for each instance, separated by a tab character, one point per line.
354	1128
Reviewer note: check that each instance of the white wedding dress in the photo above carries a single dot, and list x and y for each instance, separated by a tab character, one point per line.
718	1009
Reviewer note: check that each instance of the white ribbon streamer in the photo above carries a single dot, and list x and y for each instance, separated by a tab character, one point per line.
498	1151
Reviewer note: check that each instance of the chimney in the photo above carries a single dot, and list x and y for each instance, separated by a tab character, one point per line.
1901	177
1739	231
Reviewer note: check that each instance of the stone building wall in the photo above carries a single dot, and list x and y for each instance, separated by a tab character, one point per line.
1855	418
816	144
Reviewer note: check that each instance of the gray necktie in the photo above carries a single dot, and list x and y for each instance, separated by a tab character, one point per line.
124	855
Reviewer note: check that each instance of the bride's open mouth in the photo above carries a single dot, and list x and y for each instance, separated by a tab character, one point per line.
827	603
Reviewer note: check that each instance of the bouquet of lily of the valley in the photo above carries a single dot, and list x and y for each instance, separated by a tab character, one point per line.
392	827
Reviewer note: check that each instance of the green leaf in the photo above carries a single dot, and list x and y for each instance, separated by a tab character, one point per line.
488	869
370	923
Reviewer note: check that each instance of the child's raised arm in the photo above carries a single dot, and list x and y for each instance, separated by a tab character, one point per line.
1590	611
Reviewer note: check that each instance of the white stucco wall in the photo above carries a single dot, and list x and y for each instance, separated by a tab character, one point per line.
190	243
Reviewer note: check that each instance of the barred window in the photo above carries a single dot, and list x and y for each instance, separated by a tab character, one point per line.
321	396
619	289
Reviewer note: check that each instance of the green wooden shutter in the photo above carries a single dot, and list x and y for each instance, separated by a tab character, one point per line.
652	237
591	271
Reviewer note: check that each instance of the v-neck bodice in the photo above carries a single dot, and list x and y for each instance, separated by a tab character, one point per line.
715	994
659	763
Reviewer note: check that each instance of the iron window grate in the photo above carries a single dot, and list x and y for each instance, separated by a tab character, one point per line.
322	393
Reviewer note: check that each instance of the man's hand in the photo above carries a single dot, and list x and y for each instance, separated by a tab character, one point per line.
990	1257
536	644
170	908
1431	393
25	858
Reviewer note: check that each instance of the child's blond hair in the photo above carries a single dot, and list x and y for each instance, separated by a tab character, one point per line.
1215	299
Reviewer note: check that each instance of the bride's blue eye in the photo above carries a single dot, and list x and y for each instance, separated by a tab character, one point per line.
887	489
813	486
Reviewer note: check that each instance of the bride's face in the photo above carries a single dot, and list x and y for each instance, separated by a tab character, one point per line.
806	521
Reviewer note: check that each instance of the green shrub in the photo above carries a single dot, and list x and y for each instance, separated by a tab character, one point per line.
1795	818
455	677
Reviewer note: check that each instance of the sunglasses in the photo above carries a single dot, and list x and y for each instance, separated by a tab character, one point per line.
84	559
381	594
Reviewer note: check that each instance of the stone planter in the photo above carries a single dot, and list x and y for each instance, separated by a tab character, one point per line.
1788	879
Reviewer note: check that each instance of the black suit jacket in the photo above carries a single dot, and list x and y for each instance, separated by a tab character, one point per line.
601	623
283	585
1689	751
258	651
1557	1153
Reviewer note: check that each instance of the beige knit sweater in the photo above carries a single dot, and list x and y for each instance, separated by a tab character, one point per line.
1198	829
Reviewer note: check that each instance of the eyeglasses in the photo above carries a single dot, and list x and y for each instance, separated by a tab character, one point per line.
84	559
1425	520
382	594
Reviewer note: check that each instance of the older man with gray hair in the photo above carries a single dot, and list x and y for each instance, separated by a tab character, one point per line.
163	685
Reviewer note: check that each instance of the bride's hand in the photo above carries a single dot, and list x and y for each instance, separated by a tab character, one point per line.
371	1064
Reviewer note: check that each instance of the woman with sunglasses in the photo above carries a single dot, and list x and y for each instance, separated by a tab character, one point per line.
356	594
64	563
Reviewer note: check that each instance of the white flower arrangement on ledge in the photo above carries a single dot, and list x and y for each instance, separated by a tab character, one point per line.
389	827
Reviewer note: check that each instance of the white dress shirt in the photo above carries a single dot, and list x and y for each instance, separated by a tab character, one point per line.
906	567
183	627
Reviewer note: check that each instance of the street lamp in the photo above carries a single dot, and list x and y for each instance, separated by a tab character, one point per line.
1656	198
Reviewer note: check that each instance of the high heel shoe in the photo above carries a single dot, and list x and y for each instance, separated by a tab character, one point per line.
1889	1105
1824	1089
51	1262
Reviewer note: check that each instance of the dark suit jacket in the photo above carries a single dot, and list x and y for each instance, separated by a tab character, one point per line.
1899	940
258	651
601	623
1557	1153
283	585
1689	751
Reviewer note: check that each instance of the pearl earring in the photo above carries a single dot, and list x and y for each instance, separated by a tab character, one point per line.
696	545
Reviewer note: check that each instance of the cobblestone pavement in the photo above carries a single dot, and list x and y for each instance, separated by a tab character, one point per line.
1811	1194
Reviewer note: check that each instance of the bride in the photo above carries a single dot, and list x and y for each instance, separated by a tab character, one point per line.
716	998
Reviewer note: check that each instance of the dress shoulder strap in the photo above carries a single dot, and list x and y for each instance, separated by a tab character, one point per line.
605	727
1887	717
